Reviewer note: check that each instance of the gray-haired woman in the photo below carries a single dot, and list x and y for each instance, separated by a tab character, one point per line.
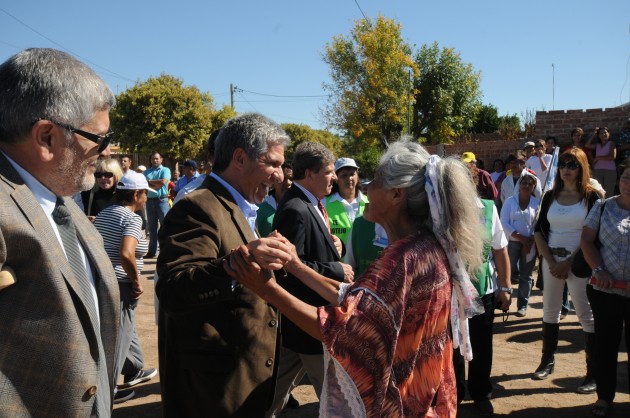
373	341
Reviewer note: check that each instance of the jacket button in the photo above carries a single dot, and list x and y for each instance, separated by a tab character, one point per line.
91	391
269	362
272	323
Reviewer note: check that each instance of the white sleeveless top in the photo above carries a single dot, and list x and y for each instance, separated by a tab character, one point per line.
566	224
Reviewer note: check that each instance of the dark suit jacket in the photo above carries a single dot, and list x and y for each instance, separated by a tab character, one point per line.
50	349
219	345
299	221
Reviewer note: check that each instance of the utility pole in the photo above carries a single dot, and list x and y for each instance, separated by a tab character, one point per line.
232	95
553	87
409	105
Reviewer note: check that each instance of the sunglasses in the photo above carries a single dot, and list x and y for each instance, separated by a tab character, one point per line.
101	140
571	165
105	174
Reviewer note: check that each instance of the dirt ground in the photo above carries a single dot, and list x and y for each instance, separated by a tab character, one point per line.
516	356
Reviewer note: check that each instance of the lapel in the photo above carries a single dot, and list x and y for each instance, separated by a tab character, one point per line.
30	207
323	230
228	203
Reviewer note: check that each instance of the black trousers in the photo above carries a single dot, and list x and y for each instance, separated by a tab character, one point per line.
611	314
479	368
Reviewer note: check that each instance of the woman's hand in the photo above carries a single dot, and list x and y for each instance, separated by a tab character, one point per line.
527	244
136	289
560	269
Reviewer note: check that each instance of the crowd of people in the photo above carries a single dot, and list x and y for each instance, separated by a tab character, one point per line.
383	293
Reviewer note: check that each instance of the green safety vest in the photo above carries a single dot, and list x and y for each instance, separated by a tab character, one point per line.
340	224
483	274
264	218
363	248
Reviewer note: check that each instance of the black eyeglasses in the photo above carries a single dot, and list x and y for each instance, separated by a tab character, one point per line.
105	174
101	140
571	165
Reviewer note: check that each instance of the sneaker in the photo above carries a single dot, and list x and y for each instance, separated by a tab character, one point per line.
123	395
141	377
521	312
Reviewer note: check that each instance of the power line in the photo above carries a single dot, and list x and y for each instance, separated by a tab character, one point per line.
361	10
237	89
66	49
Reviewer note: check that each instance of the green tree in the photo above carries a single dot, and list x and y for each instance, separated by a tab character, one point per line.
509	127
369	90
303	133
162	114
447	94
487	119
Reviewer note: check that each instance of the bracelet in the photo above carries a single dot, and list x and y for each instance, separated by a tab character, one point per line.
598	269
508	290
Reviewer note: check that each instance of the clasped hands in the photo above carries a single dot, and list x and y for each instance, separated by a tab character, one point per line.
251	264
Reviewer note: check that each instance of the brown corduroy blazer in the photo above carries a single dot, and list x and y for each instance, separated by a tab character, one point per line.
217	341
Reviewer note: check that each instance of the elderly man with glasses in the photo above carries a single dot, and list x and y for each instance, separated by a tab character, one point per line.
59	306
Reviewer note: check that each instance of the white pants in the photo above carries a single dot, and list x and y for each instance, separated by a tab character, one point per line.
552	298
291	370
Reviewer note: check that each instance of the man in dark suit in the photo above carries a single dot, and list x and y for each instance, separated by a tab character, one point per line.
59	303
302	220
218	340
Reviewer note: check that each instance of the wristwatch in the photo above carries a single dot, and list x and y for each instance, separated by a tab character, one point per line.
508	290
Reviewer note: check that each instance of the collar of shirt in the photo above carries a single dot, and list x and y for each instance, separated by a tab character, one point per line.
311	198
337	197
248	209
44	196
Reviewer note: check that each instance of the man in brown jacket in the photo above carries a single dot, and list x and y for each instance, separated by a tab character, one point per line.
59	303
218	340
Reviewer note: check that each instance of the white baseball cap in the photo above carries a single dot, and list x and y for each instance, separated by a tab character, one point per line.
133	181
345	162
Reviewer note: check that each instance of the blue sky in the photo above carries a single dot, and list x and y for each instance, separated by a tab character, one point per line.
275	47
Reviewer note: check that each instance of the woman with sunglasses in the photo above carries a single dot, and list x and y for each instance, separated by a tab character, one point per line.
610	293
108	174
557	236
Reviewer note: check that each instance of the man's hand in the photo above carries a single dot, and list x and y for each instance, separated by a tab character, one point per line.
270	253
348	273
338	244
504	300
241	266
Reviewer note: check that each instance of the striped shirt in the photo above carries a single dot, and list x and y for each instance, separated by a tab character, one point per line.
114	223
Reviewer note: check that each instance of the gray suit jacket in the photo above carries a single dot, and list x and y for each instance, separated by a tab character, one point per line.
51	351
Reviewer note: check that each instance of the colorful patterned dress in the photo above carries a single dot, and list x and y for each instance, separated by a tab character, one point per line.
388	347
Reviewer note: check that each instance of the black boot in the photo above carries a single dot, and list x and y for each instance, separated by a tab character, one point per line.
589	385
550	344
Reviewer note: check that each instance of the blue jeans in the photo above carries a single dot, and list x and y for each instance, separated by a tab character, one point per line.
518	262
156	211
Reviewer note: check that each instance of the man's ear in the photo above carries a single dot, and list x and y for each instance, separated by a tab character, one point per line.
239	157
45	137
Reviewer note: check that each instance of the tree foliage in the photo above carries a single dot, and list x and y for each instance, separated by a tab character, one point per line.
303	133
487	120
510	127
369	91
164	115
447	94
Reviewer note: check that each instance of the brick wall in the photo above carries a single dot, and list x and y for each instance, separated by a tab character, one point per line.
560	123
488	151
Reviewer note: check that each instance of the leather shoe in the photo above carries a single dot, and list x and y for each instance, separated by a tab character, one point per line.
484	408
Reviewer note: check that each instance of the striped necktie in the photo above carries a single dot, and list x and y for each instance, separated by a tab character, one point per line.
323	211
